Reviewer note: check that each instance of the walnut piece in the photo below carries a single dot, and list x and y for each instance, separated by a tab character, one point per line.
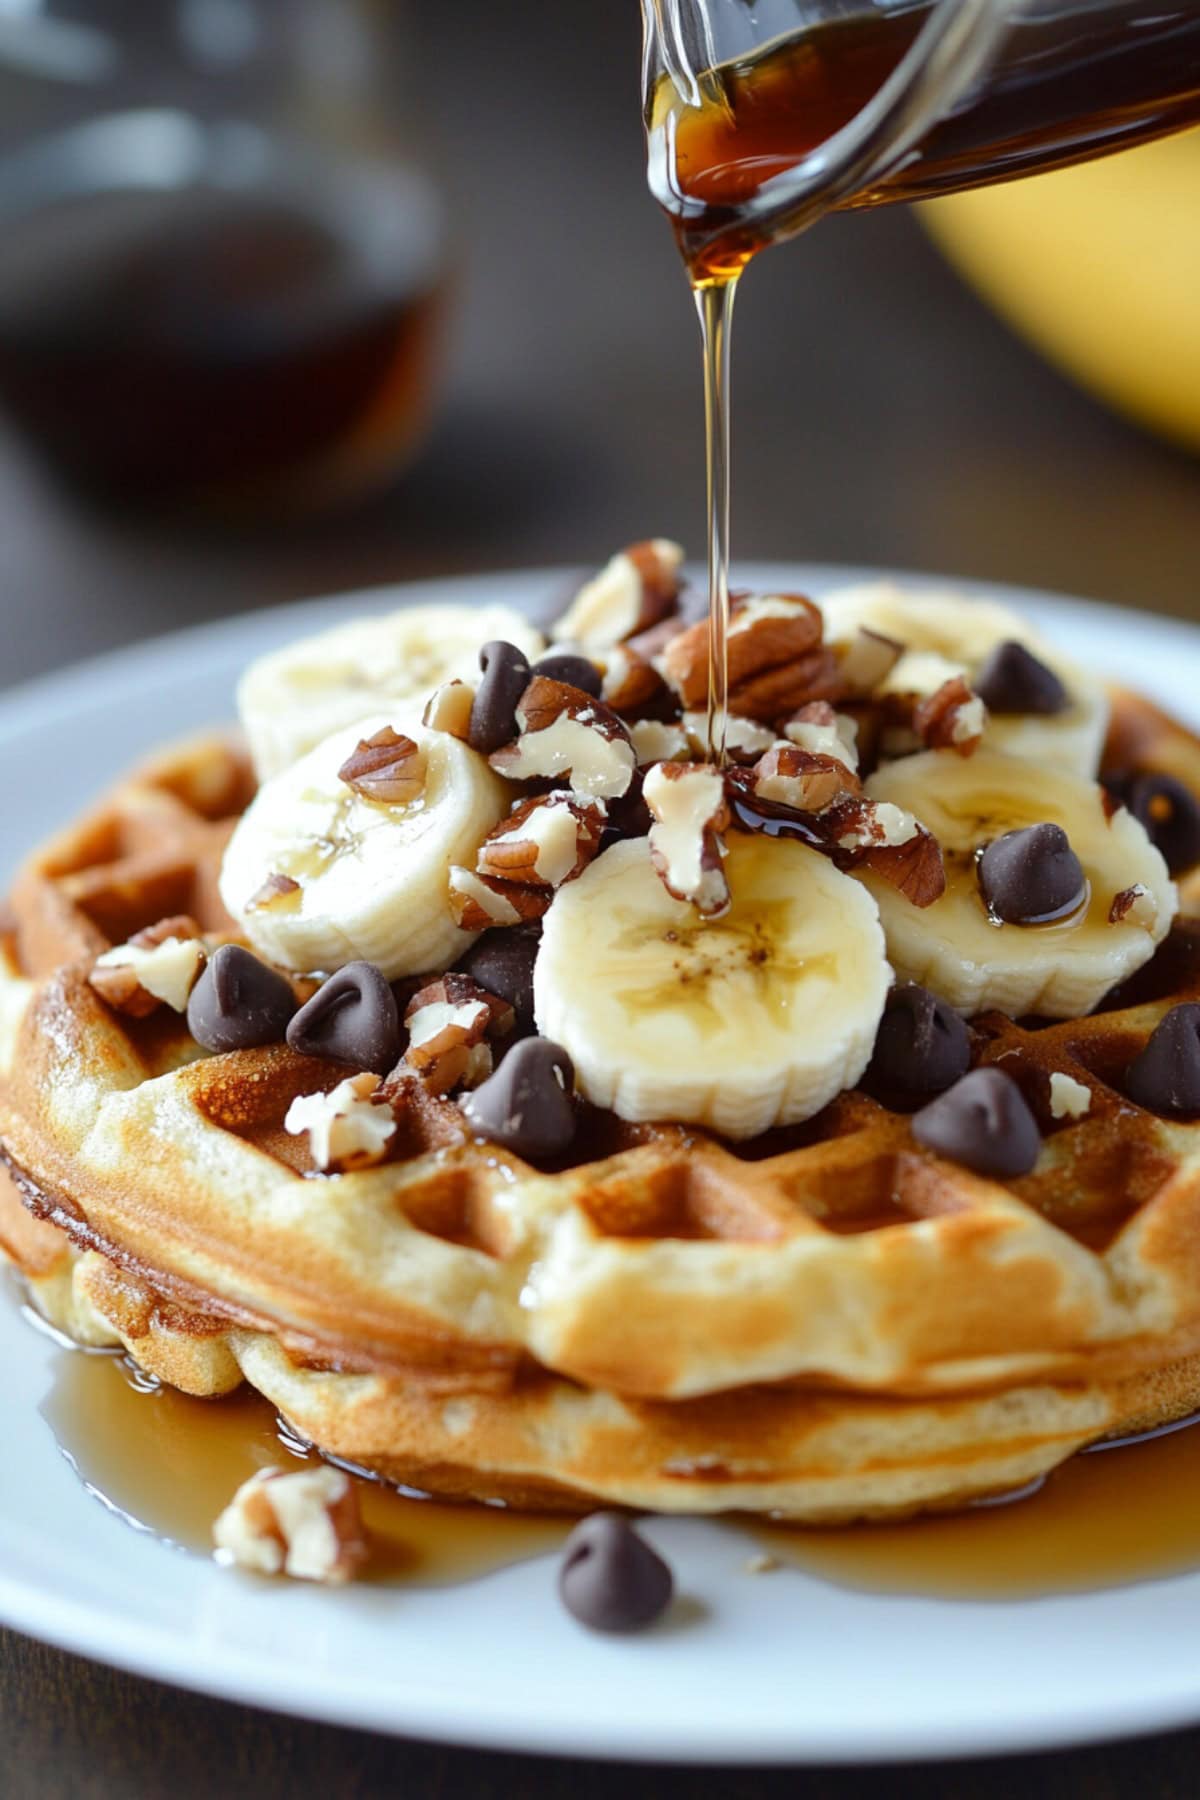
449	709
306	1525
629	680
347	1128
634	590
276	891
687	803
137	977
544	842
865	663
387	768
745	740
893	845
655	741
823	732
1135	904
564	733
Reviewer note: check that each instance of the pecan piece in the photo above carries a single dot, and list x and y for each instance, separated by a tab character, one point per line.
447	1022
348	1128
804	780
544	842
387	768
776	659
630	681
305	1524
564	734
865	662
635	590
449	709
158	966
687	803
479	901
951	718
890	842
276	890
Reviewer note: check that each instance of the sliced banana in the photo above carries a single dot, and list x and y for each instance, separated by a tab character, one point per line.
371	877
1060	970
755	1019
292	698
947	634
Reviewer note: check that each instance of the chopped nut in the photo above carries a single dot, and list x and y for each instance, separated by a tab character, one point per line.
135	978
891	843
655	742
866	662
387	768
744	739
179	925
805	781
275	891
544	842
776	659
633	591
448	1020
877	822
306	1525
346	1128
1137	904
455	989
951	718
449	709
687	801
823	732
563	732
629	681
478	901
1069	1099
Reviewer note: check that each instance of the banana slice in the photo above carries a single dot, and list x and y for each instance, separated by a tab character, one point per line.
1060	970
318	875
755	1019
292	698
948	634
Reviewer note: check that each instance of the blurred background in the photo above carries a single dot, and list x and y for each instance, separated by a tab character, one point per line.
304	295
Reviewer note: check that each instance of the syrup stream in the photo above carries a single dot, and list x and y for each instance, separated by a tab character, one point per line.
714	306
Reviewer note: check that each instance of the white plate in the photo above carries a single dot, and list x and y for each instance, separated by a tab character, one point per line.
781	1669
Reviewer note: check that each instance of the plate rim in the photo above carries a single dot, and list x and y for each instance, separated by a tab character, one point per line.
162	1653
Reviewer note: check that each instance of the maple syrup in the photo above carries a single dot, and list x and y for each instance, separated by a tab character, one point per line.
217	344
168	1464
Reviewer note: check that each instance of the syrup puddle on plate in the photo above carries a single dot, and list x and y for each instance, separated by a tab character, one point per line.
167	1464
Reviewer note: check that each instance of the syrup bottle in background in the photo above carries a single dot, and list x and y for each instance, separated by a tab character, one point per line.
222	276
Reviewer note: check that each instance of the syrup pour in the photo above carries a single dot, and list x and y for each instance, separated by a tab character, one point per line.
168	1464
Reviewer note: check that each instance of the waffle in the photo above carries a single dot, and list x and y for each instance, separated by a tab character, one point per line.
827	1322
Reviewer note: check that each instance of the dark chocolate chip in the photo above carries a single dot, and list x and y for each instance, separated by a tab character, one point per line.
1032	876
610	1579
921	1048
351	1018
1014	681
239	1002
982	1122
506	675
1165	1078
528	1105
501	961
575	671
1170	813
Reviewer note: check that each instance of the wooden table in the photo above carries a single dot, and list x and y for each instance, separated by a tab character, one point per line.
883	416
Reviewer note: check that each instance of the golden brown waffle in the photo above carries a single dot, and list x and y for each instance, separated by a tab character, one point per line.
827	1322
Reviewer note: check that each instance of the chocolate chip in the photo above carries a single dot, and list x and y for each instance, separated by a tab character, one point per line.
575	671
1012	680
1165	1078
502	962
921	1048
239	1002
506	675
1031	877
1170	813
528	1105
982	1122
610	1579
351	1018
